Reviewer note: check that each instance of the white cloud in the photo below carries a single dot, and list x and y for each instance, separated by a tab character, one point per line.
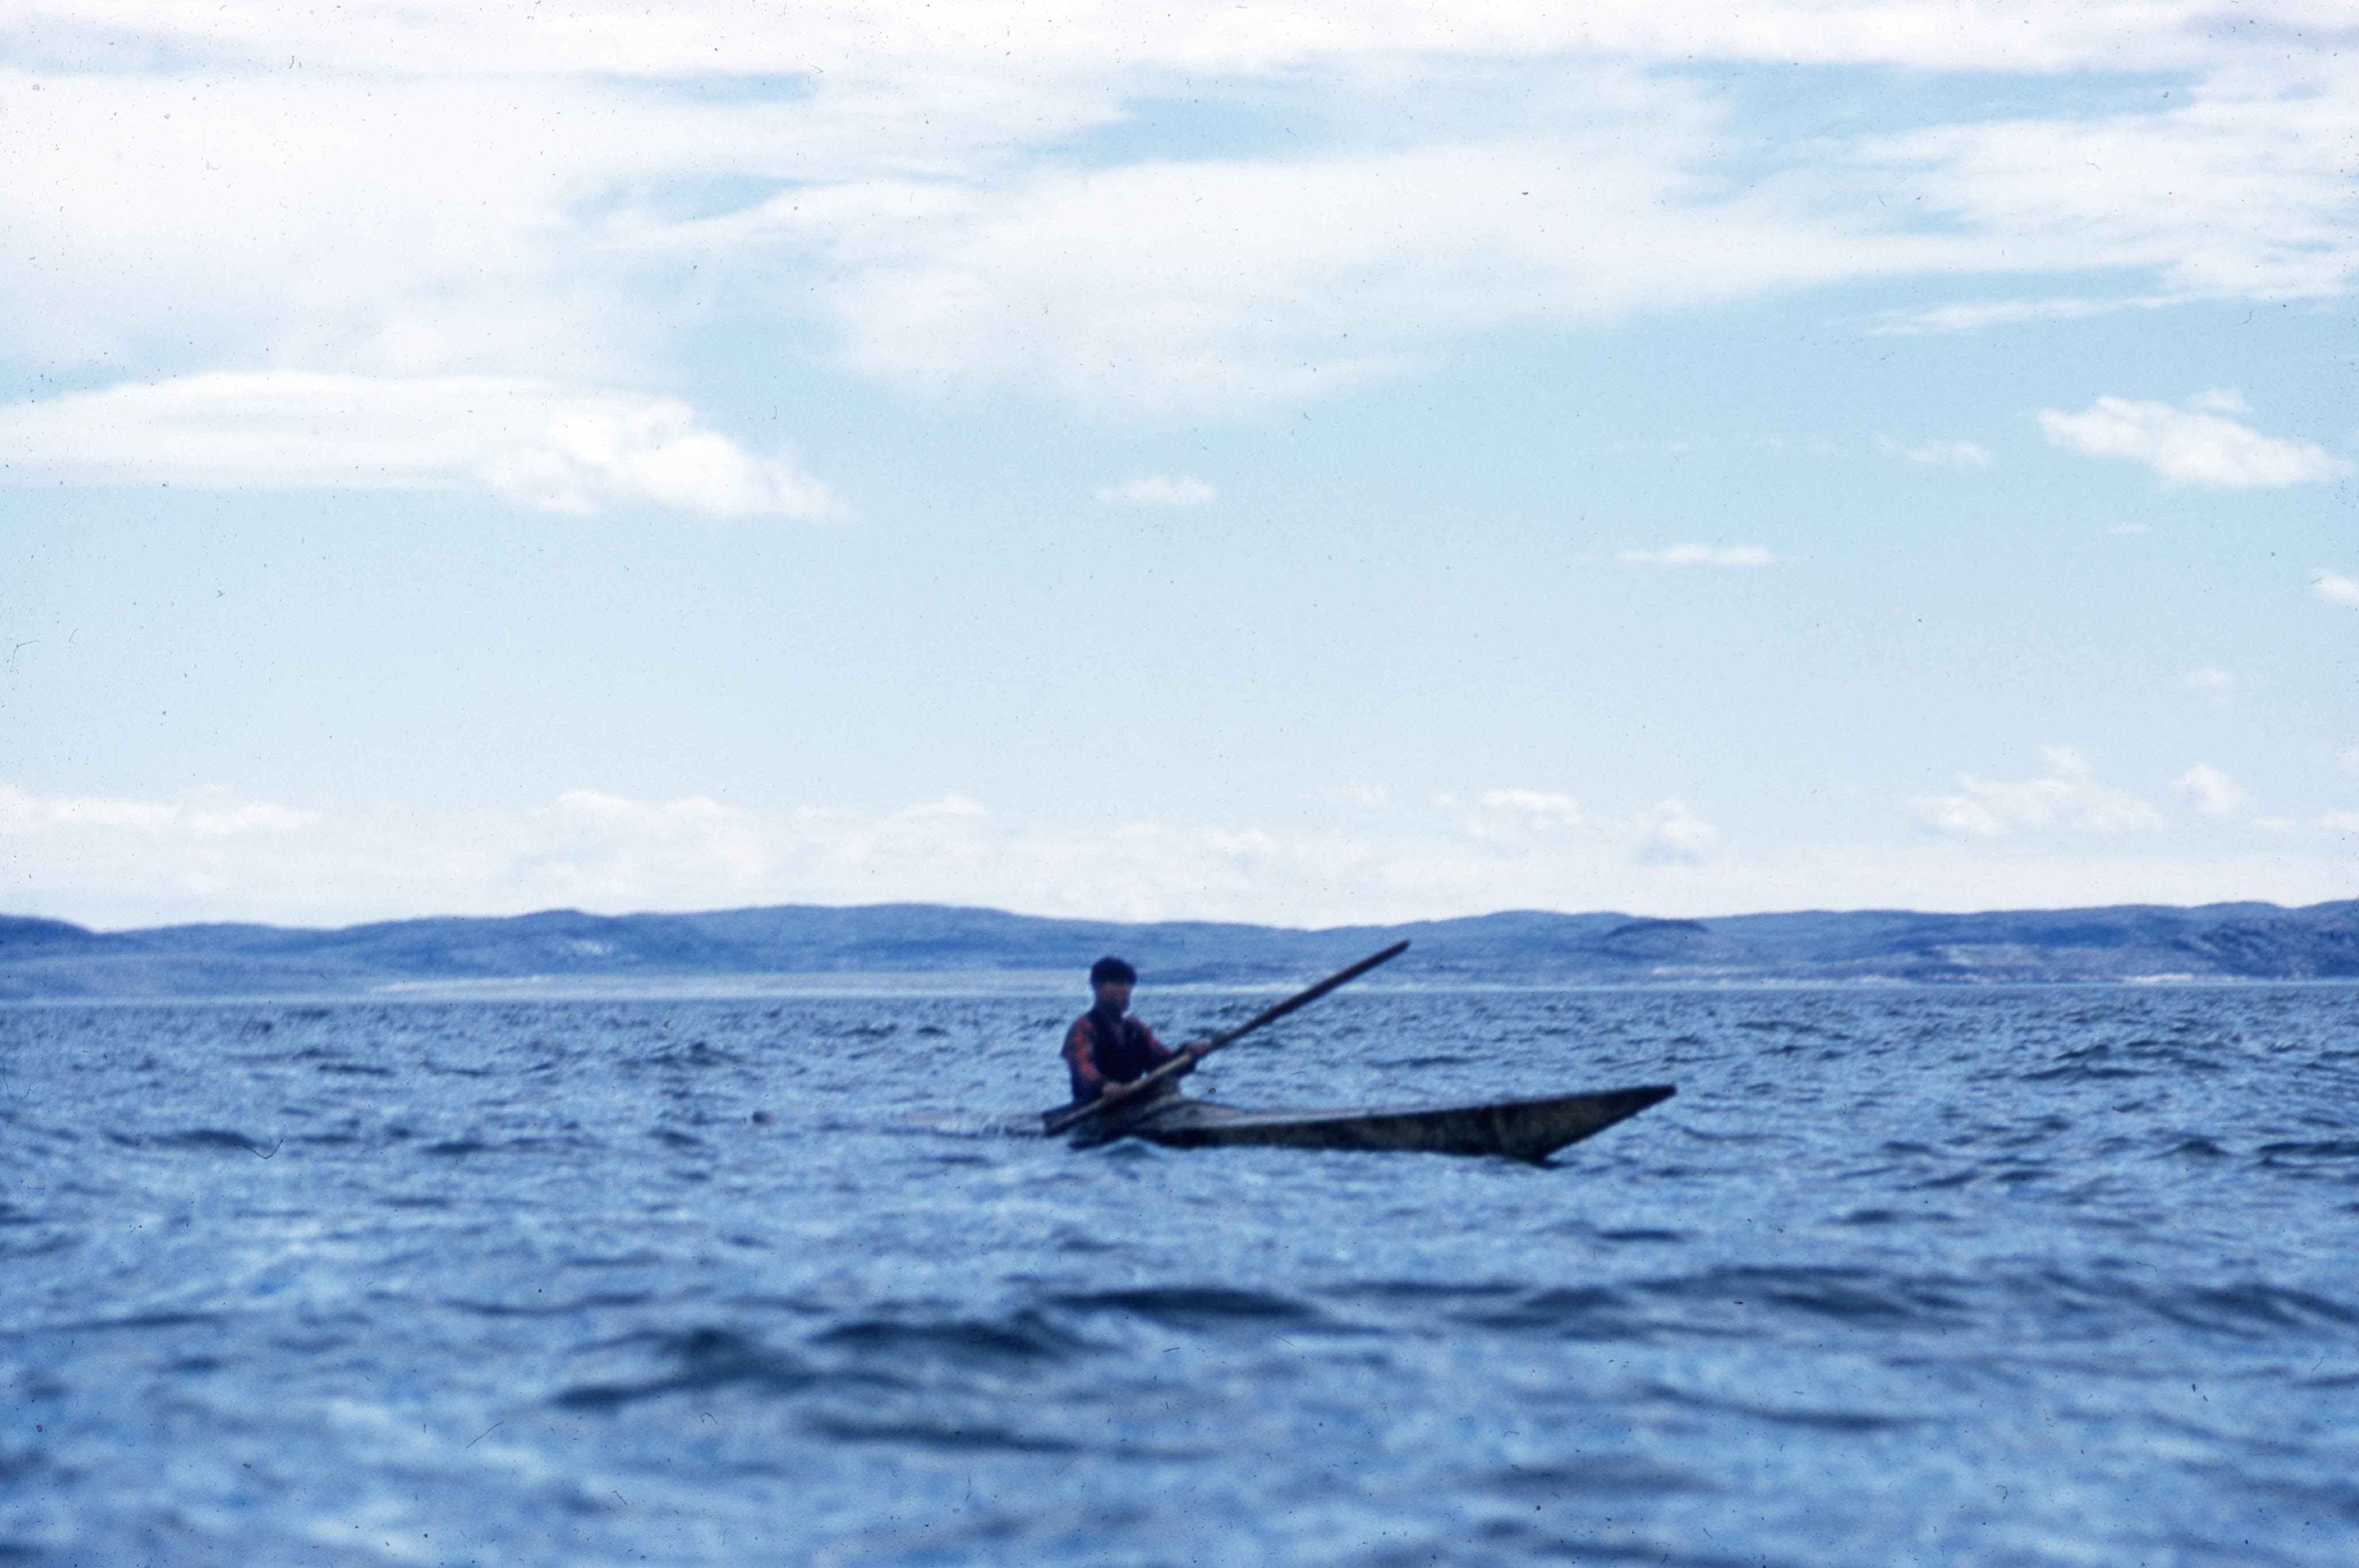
452	186
208	814
2220	684
2215	794
2220	400
1157	490
1971	318
1521	821
1700	555
1177	283
1943	454
1672	832
2215	191
2334	588
116	861
2189	446
1544	823
547	448
626	39
1190	282
2068	797
1534	808
2332	824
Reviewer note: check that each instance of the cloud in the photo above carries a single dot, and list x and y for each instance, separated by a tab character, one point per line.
204	817
2219	683
623	39
959	201
1943	454
213	855
1532	809
1195	281
1519	821
1176	284
1546	824
545	448
2215	191
1972	317
2068	797
2334	588
2189	446
2334	824
1671	832
2216	794
1700	555
626	39
1156	490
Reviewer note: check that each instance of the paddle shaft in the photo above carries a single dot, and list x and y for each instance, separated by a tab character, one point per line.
1057	1121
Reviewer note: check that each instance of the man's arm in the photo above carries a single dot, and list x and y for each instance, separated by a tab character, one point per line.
1158	1052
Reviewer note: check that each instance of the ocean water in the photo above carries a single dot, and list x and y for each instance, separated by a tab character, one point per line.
1901	1276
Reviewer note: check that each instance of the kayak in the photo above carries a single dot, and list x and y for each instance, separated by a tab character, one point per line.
1520	1129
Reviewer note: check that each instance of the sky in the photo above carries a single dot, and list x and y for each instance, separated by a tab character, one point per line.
1307	464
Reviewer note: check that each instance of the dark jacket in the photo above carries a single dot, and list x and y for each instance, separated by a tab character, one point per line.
1104	1048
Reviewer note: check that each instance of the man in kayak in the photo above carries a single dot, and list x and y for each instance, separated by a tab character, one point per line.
1103	1049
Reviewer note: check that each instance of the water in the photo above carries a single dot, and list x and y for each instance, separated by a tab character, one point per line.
2057	1276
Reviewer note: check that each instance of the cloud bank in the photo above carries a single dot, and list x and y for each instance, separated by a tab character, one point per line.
2068	797
547	449
211	856
959	201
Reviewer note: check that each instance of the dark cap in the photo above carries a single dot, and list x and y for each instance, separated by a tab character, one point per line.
1107	969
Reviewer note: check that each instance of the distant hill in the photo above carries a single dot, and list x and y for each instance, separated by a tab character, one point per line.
568	950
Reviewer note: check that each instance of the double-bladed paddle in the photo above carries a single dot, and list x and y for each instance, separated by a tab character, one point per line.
1058	1120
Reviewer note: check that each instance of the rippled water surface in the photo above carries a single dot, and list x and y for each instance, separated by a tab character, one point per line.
2057	1276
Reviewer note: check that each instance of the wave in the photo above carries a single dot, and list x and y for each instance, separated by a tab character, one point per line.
1194	1307
700	1361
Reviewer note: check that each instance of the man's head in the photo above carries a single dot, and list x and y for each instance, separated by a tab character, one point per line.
1110	981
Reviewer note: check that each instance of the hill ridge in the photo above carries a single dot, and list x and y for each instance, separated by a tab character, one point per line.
52	959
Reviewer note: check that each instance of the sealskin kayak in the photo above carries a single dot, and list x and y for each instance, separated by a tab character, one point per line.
1519	1129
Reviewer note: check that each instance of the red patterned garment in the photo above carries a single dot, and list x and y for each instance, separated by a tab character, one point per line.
1104	1048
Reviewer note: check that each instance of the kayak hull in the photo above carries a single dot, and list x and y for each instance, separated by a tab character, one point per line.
1521	1129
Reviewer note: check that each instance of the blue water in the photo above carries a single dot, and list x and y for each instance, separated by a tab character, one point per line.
2042	1276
